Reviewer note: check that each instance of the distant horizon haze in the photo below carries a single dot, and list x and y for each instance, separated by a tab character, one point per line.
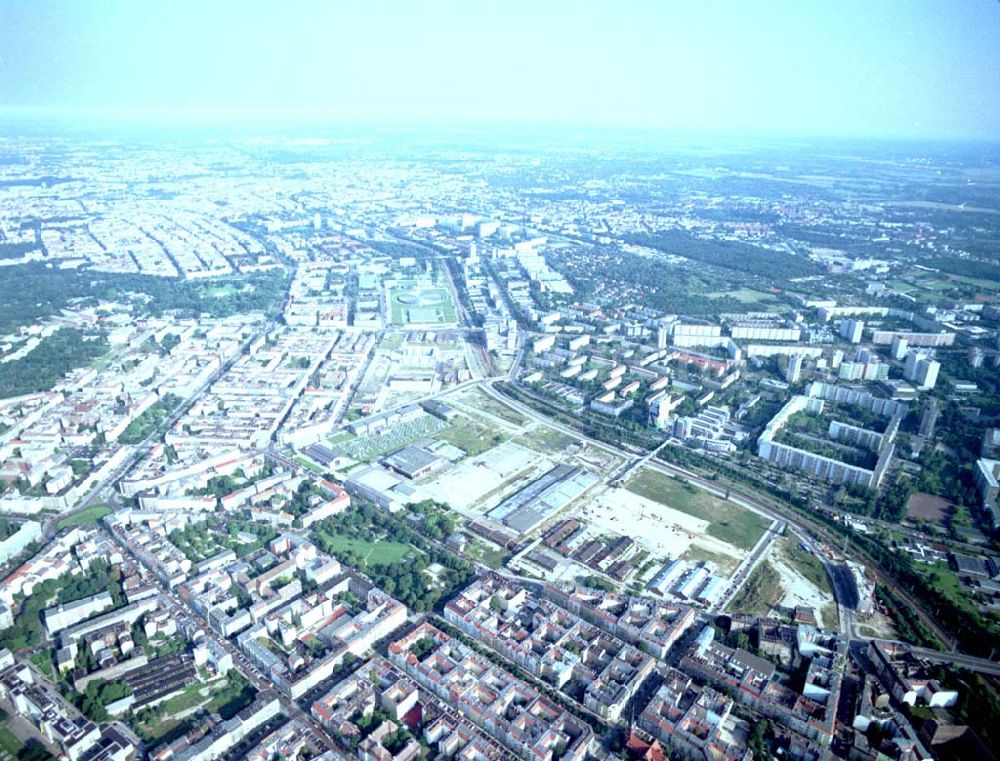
905	69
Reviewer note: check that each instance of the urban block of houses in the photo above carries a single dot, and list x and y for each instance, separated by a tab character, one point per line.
511	711
551	643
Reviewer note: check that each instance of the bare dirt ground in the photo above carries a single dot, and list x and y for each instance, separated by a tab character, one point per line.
928	507
798	590
666	533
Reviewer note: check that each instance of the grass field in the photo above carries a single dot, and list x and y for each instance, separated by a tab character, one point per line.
727	522
471	436
374	553
546	439
89	517
144	425
945	581
807	564
105	360
746	295
987	285
220	291
759	592
10	744
900	285
393	341
935	284
485	402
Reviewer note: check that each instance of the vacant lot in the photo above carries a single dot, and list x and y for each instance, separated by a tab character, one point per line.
760	591
803	580
487	552
305	462
546	439
806	563
483	401
725	565
661	532
471	436
727	522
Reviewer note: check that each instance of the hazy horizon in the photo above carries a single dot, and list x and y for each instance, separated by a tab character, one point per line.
912	70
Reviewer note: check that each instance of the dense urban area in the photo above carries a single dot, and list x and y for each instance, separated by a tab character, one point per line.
393	447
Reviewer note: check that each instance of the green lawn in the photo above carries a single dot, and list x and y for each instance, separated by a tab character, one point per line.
89	517
305	462
43	661
374	553
220	291
727	522
225	693
144	425
393	341
10	743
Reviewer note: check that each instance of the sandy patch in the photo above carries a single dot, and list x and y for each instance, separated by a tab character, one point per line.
876	625
798	590
666	533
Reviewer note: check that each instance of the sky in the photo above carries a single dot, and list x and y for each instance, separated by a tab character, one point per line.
845	68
